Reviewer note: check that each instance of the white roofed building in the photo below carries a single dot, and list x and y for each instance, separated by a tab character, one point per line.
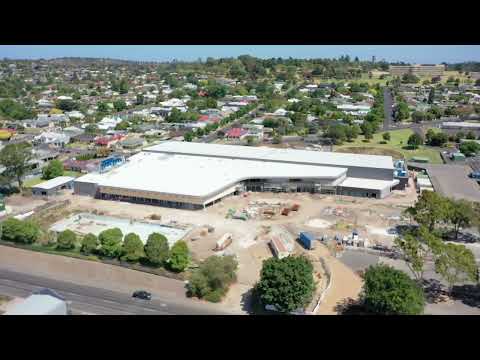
195	175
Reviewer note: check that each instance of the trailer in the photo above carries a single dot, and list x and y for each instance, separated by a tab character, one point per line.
278	248
307	240
223	242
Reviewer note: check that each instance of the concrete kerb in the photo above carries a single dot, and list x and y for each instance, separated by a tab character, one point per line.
329	284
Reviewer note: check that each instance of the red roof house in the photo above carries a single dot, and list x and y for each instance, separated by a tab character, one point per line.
236	133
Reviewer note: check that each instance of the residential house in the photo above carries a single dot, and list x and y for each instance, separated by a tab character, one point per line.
236	133
51	138
108	141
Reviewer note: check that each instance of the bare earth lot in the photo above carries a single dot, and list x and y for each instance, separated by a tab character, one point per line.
319	214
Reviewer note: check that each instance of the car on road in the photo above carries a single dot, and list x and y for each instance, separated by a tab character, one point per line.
142	294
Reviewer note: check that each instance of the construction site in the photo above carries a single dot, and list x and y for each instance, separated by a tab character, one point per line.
254	226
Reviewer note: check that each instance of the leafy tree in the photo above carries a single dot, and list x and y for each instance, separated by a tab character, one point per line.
414	141
122	125
213	278
287	283
67	105
460	214
401	111
119	105
66	240
277	139
12	109
91	129
469	148
336	133
430	209
132	249
20	231
89	244
389	291
431	95
367	130
470	135
416	246
418	116
52	170
188	136
15	158
111	242
156	249
140	99
386	136
456	264
179	256
102	107
352	132
410	79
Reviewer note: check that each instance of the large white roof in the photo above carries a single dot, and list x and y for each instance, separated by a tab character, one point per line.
53	183
198	176
274	155
368	184
39	305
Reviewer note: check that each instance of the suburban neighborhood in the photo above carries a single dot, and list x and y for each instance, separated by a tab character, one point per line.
239	186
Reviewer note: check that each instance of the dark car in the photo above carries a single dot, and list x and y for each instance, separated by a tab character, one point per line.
142	294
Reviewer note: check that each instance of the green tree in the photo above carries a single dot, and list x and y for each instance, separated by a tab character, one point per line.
416	246
213	278
388	291
119	105
102	107
430	209
52	170
414	141
140	99
336	133
456	264
418	116
287	283
66	240
386	136
89	244
460	214
431	95
111	242
67	105
401	111
367	130
188	136
352	132
20	231
179	256
122	125
15	158
132	249
470	135
157	249
469	148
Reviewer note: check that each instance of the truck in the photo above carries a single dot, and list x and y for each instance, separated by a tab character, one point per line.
223	242
307	240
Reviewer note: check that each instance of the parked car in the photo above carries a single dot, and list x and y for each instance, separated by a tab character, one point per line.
142	294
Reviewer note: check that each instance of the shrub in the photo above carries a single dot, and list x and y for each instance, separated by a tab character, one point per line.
20	231
66	240
213	278
111	242
156	249
390	291
89	244
179	256
132	249
52	170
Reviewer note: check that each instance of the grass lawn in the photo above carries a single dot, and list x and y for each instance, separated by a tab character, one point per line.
72	173
396	147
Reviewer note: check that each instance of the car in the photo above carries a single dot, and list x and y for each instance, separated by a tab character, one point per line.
142	294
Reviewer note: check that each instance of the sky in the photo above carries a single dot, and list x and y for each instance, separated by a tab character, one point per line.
406	53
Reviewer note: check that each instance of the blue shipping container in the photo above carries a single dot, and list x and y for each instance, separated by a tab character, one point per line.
307	240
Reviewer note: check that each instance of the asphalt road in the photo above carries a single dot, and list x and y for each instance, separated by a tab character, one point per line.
84	300
387	106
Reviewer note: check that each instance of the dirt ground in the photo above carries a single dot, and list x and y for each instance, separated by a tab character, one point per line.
318	214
